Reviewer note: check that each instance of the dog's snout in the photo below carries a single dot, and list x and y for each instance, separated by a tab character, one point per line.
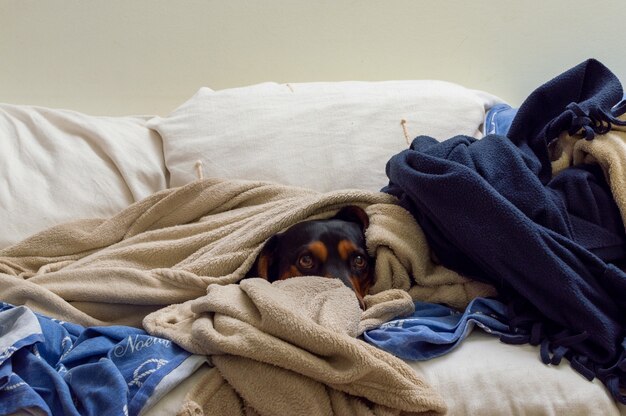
352	282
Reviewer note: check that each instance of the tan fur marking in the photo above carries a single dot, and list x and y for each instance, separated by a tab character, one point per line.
319	250
291	272
263	267
356	285
359	290
345	248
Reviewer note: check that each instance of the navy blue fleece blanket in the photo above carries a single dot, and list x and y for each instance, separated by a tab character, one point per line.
491	210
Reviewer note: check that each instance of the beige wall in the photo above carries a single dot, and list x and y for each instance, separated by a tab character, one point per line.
148	56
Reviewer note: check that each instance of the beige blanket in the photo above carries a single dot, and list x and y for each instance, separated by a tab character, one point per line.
608	150
289	348
170	247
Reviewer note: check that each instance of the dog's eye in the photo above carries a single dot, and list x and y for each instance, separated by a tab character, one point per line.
306	261
359	262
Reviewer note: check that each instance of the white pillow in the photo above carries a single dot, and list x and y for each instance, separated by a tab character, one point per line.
324	136
59	165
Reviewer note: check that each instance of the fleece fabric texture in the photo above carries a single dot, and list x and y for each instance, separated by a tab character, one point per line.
547	243
289	348
579	100
169	247
607	150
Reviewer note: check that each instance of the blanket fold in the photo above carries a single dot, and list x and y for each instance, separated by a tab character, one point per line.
295	337
177	256
607	150
554	244
169	247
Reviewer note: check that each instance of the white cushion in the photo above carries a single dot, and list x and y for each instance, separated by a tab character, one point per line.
483	376
59	165
324	136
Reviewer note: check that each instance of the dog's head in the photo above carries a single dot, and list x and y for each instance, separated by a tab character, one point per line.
333	248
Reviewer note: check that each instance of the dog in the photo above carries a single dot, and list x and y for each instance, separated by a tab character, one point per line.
333	248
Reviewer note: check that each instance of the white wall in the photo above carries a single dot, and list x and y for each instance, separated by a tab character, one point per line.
148	56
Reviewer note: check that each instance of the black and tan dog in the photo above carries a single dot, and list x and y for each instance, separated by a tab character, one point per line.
333	248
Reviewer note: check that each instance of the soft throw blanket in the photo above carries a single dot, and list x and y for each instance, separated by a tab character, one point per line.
578	100
538	243
47	366
551	244
607	150
289	348
171	246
